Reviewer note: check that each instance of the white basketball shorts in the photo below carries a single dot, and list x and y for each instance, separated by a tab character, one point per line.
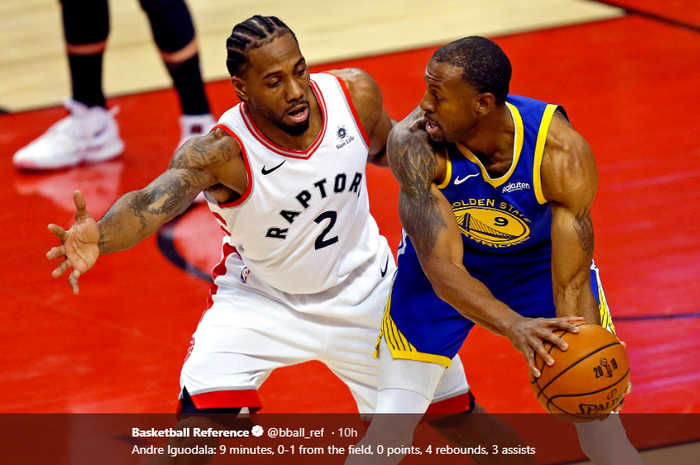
252	328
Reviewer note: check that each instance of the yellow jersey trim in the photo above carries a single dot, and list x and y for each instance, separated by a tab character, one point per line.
448	172
605	315
517	148
399	346
539	152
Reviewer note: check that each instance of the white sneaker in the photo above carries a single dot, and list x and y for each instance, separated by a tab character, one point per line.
195	125
86	135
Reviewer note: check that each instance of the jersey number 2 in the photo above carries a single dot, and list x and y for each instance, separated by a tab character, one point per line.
321	240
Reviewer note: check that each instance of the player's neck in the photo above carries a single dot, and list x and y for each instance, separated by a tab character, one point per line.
491	140
281	138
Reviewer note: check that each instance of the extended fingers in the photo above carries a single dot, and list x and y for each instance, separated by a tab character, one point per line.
73	280
530	359
554	324
567	323
554	339
56	252
61	268
58	231
81	212
543	352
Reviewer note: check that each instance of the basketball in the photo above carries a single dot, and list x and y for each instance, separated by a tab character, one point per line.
588	380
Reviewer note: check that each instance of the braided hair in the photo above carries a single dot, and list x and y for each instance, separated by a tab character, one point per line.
251	34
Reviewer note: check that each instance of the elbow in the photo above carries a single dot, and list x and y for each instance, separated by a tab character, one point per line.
446	276
442	292
441	285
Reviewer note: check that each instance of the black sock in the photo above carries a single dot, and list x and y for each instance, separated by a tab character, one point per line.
86	75
190	88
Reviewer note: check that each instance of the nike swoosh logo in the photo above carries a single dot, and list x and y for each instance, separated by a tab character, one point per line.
265	171
386	267
459	181
101	131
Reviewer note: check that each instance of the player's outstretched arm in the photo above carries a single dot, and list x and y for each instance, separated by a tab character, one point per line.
368	101
138	214
427	217
569	183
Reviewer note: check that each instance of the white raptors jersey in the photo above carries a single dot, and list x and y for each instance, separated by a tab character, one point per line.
303	224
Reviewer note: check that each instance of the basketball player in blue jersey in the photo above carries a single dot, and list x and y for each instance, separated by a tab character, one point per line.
495	201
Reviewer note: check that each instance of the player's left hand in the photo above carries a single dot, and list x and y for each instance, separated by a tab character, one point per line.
79	247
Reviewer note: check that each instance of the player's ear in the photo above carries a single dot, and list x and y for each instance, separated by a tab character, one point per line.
485	103
240	88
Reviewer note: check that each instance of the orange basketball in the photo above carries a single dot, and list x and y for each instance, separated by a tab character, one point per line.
588	380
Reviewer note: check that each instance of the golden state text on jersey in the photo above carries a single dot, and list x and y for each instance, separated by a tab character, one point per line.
507	213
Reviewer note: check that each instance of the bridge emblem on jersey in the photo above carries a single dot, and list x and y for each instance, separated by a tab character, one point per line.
491	226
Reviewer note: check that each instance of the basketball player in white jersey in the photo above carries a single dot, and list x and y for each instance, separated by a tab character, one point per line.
304	273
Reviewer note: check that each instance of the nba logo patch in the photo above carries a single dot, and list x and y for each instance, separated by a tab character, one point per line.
244	274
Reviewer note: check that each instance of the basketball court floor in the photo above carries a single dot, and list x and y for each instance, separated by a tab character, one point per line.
627	72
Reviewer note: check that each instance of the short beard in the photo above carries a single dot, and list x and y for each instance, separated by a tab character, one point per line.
296	130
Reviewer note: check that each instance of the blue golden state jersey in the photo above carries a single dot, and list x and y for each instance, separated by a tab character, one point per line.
506	232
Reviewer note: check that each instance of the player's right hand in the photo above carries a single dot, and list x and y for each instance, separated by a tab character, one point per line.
528	336
628	390
79	245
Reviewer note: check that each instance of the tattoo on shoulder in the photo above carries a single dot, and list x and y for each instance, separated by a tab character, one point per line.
414	164
583	224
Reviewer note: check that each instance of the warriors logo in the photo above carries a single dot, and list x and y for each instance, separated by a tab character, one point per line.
490	226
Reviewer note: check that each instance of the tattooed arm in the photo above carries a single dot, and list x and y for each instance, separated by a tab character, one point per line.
202	162
569	182
428	219
138	214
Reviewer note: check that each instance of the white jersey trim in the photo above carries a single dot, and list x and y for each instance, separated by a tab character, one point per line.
248	172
